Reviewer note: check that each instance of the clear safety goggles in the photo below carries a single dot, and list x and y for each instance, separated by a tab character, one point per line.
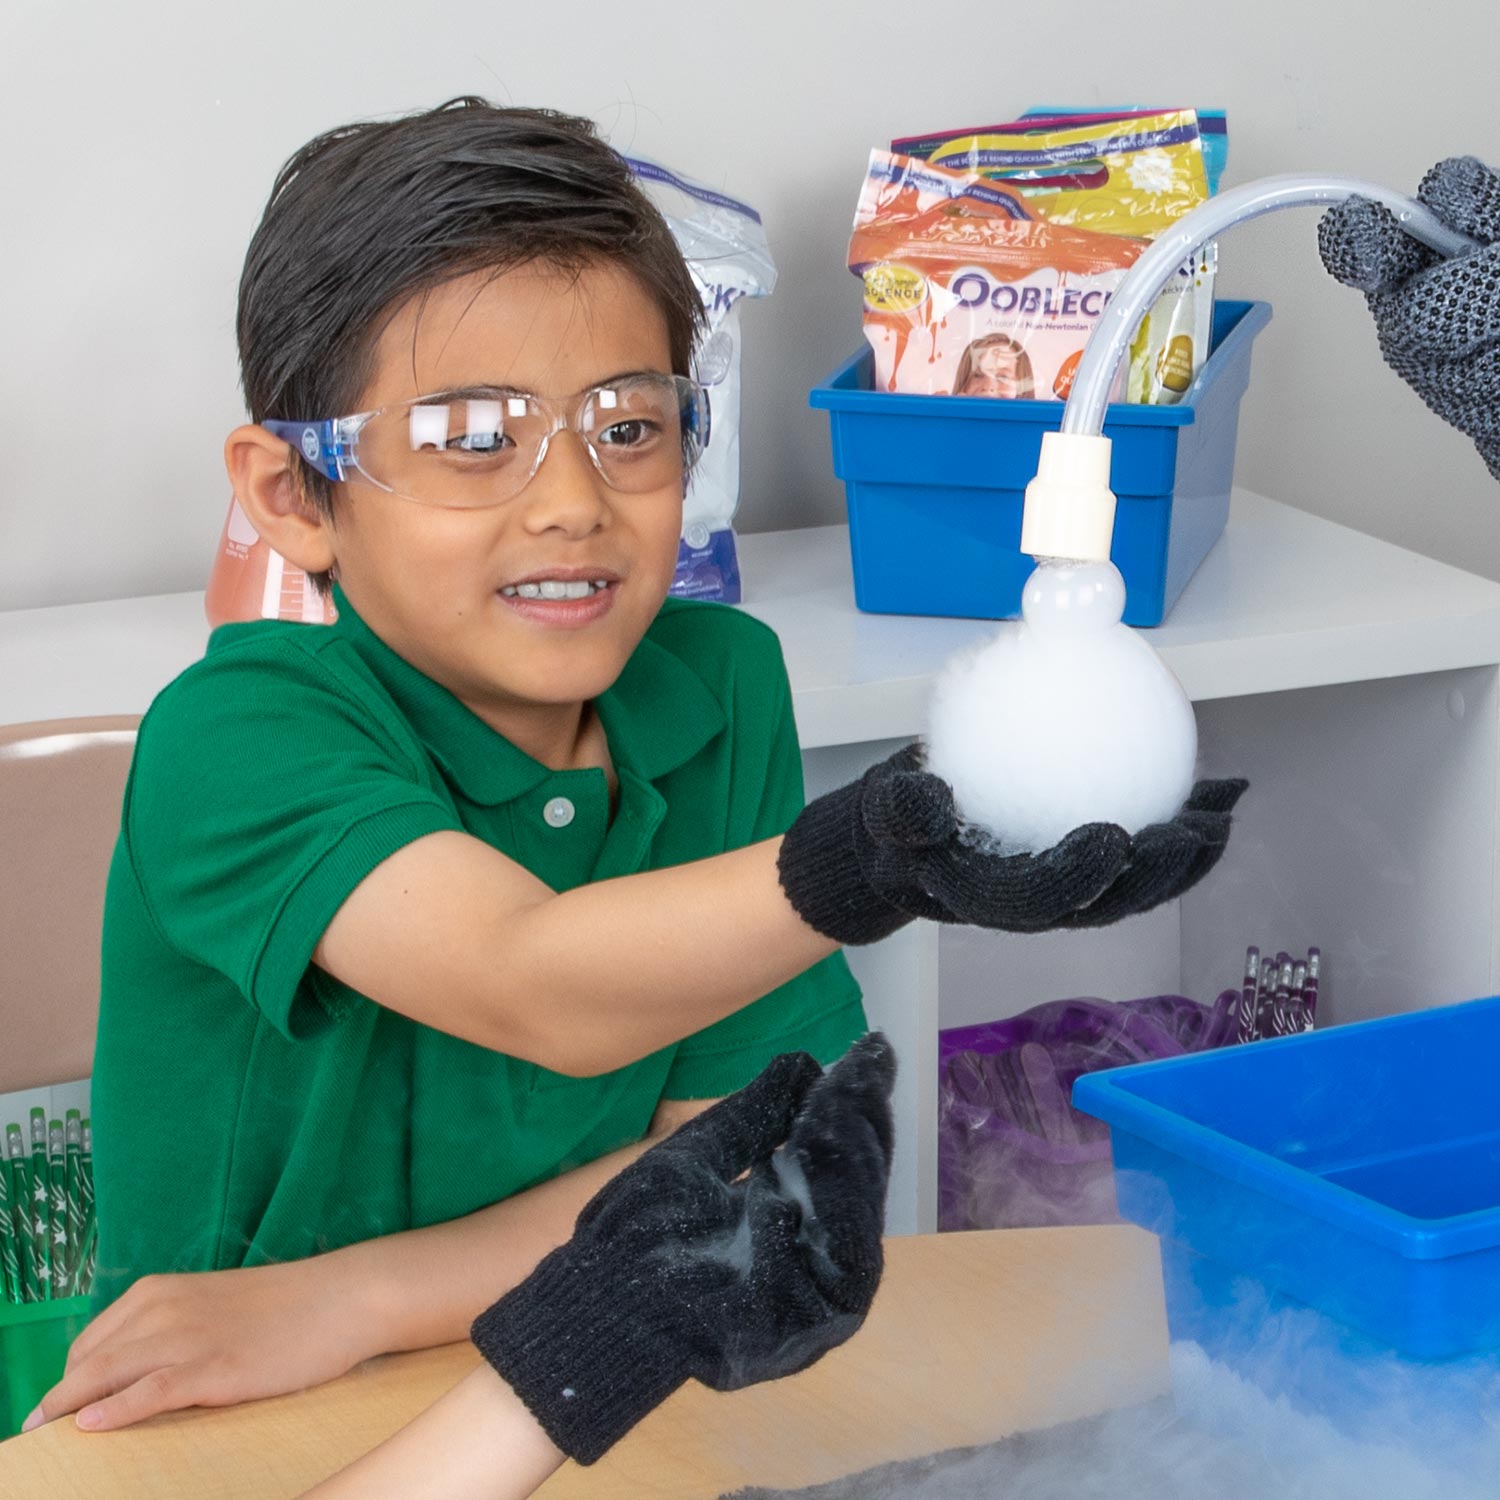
479	447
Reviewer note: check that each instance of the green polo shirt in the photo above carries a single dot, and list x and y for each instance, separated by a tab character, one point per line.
248	1107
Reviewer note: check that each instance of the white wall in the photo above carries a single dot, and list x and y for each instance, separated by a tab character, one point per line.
139	143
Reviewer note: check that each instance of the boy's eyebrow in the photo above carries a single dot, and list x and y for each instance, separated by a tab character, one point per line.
480	392
623	375
473	392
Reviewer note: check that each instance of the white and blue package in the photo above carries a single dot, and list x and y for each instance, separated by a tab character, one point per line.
725	247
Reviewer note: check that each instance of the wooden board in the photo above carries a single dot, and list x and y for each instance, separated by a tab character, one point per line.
973	1337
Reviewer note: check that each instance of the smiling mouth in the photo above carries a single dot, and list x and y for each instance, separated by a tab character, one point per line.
556	588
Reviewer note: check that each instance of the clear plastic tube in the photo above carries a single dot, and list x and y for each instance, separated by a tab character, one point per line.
1151	273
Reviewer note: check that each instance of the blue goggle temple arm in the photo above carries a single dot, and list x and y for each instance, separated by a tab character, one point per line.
702	418
318	442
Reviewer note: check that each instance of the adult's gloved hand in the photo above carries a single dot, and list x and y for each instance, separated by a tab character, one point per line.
865	859
741	1248
1438	320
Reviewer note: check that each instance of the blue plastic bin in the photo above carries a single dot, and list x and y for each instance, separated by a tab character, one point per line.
1354	1170
935	484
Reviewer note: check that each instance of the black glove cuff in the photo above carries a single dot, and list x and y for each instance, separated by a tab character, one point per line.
820	871
583	1355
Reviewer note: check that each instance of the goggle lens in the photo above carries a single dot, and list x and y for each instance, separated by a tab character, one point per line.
472	449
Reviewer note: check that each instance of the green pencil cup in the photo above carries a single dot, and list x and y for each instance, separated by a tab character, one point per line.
34	1340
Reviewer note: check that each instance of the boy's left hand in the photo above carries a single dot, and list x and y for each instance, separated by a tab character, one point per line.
209	1338
740	1249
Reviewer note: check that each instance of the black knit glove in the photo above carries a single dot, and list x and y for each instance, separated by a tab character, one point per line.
865	859
683	1267
1438	320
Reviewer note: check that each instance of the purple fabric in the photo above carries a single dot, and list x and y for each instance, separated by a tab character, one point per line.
1012	1150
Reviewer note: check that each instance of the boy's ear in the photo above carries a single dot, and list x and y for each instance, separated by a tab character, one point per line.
266	477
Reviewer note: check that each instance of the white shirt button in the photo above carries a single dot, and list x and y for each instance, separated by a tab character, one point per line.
558	812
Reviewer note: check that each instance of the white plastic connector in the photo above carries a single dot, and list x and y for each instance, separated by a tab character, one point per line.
1070	508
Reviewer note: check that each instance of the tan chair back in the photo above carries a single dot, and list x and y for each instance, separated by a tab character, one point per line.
61	787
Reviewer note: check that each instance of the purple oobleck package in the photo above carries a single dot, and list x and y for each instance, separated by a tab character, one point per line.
1012	1150
724	244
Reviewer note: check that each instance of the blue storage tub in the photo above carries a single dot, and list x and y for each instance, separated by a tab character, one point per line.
935	484
1355	1171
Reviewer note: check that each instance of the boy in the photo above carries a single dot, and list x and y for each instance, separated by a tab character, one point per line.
422	924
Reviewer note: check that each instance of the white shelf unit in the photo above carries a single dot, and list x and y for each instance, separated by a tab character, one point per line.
1353	682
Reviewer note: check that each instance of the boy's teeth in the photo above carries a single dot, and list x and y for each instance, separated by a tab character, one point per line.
555	588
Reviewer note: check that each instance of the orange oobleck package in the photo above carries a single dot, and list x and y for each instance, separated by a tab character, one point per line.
967	291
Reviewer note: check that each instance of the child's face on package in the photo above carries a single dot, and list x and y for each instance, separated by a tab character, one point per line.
428	580
996	372
998	361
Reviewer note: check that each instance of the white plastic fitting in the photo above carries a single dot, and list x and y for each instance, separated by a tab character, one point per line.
1070	508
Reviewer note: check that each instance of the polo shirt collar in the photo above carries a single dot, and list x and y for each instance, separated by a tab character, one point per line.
657	715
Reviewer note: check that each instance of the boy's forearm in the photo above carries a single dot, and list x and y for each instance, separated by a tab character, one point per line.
638	962
425	1286
454	934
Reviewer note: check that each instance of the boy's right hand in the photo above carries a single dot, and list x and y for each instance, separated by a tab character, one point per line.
210	1338
865	859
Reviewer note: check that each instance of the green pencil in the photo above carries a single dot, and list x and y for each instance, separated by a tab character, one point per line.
10	1266
41	1211
20	1211
85	1277
57	1207
83	1281
73	1137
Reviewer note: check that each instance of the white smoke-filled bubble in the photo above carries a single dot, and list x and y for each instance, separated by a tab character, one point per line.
1067	717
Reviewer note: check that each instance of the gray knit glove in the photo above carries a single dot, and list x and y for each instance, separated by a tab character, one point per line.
740	1249
861	861
1438	320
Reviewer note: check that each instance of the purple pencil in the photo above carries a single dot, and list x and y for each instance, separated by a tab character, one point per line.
1266	998
1283	1020
1310	990
1248	995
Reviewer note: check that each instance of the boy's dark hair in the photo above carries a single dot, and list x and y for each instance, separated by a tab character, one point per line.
370	214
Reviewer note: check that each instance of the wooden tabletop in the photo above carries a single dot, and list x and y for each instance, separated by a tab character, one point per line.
972	1337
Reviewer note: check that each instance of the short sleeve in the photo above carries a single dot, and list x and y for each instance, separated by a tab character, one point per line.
820	1011
264	789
